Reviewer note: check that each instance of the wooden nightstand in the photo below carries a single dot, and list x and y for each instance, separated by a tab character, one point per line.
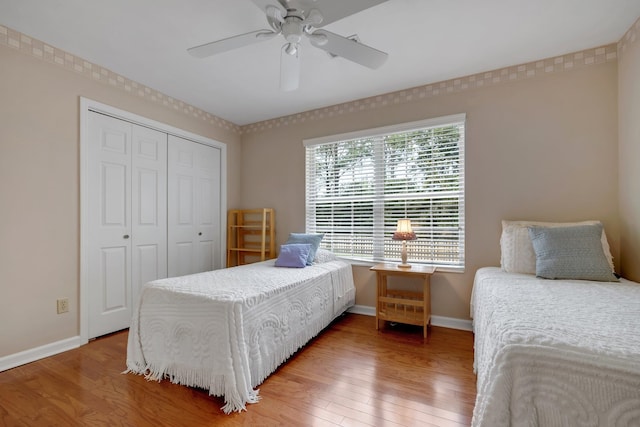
413	308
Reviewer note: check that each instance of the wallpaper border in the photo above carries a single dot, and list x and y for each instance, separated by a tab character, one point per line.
629	38
568	62
38	49
598	55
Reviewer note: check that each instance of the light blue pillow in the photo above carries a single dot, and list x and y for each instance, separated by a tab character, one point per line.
571	253
311	239
294	255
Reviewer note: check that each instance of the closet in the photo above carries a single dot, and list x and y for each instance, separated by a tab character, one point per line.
153	210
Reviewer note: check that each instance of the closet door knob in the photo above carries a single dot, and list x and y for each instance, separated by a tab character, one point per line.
126	236
200	233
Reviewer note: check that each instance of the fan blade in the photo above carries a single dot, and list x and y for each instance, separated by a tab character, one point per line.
275	11
265	4
289	67
314	18
230	43
349	49
333	10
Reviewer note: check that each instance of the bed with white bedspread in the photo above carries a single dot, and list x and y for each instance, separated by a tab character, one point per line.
556	341
227	330
555	352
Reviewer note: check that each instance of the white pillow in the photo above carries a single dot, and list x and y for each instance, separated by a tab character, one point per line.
323	255
516	250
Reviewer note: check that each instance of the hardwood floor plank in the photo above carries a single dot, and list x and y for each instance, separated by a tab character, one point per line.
350	375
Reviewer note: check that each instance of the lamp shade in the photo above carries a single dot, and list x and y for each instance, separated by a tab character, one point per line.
404	231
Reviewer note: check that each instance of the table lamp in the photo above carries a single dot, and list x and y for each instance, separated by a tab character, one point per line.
404	233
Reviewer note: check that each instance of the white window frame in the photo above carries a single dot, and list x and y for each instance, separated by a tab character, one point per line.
381	233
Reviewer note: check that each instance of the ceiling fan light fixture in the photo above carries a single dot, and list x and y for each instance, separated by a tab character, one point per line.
313	18
318	39
291	49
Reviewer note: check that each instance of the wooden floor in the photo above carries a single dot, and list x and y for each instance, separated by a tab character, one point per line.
350	375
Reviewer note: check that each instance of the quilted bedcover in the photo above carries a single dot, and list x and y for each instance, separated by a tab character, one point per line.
555	353
227	330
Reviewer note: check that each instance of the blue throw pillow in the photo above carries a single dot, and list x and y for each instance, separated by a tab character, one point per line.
311	239
294	255
571	253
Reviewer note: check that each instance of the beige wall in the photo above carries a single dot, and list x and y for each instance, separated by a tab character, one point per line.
538	147
541	147
629	151
39	190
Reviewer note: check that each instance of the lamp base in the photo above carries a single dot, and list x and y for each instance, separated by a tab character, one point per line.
403	256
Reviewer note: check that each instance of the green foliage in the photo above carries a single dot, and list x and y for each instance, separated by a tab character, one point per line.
335	161
419	161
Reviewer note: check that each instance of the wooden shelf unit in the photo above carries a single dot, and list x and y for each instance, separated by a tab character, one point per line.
250	236
394	305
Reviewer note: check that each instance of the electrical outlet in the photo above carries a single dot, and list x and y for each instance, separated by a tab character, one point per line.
63	305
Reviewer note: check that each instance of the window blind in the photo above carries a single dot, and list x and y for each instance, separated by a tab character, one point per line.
359	185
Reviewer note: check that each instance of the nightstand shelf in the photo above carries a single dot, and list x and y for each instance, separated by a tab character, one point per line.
392	305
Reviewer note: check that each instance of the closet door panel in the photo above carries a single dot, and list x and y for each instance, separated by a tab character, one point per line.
114	279
185	254
181	199
205	206
208	208
205	262
194	200
149	207
151	263
114	195
109	223
186	202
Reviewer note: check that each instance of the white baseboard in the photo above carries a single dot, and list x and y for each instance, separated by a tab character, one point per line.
363	309
445	322
452	323
31	355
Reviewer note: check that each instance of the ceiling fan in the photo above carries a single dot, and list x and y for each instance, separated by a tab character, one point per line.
296	19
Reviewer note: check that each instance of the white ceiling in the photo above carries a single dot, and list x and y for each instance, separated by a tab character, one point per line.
427	41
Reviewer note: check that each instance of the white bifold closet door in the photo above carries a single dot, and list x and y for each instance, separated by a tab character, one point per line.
127	216
194	213
154	211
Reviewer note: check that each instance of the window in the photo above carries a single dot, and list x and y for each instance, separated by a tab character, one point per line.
359	185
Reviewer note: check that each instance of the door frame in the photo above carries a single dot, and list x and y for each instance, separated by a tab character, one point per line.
87	105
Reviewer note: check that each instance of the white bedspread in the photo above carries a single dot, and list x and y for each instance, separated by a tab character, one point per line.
555	353
227	330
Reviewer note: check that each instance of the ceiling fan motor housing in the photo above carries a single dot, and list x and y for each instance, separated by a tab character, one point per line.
292	29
